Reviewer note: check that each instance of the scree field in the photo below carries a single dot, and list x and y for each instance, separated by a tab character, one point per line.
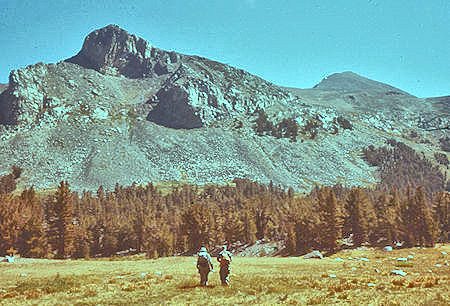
357	277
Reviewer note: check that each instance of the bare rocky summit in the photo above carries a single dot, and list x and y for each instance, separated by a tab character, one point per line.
123	111
113	51
350	81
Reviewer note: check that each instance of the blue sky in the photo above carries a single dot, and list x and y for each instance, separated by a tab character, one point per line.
405	43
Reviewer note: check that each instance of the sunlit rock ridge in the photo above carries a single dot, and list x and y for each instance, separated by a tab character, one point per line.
124	111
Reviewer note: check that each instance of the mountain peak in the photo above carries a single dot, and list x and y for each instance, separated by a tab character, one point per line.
347	73
111	35
113	27
350	81
112	50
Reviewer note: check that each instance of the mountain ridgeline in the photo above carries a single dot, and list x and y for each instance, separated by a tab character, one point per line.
124	111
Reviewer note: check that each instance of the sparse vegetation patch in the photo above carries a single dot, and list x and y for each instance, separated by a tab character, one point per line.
286	128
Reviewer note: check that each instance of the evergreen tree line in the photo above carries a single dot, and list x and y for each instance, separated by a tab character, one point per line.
68	224
399	165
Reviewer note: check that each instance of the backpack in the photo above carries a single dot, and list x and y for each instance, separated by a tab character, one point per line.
225	259
202	260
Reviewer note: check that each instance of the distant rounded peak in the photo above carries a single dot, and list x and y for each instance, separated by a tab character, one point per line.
345	74
351	81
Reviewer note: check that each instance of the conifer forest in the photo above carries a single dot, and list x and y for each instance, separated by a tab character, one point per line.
67	224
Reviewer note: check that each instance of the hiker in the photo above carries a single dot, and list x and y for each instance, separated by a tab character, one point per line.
224	258
204	266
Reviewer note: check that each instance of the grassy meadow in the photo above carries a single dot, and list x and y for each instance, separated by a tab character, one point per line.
290	280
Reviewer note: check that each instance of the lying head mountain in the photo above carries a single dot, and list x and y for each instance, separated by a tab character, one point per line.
124	111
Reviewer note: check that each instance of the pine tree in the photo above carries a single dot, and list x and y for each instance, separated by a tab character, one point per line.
33	237
13	216
386	219
442	215
331	224
395	207
166	240
139	224
81	242
357	200
61	233
261	212
291	240
101	193
110	242
305	225
125	234
233	227
196	225
159	240
410	217
427	229
249	227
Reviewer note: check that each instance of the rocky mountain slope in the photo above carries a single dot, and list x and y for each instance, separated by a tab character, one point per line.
123	111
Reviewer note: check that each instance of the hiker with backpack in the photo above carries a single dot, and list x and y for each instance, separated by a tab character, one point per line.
204	266
224	258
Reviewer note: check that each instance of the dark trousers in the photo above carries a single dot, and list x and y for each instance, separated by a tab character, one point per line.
203	276
224	274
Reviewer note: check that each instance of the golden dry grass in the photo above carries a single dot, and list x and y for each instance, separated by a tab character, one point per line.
267	281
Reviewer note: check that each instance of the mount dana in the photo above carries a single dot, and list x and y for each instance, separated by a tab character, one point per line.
124	111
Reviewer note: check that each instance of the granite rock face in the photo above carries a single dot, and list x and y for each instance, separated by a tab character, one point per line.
25	95
112	50
123	111
173	110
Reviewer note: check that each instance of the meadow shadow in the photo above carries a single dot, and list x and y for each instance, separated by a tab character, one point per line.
192	286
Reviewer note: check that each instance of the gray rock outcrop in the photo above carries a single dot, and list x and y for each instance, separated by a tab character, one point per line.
112	50
173	110
24	97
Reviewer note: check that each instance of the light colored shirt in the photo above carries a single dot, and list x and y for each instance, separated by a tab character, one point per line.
207	256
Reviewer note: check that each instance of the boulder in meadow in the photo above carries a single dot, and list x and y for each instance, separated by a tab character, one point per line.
313	254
